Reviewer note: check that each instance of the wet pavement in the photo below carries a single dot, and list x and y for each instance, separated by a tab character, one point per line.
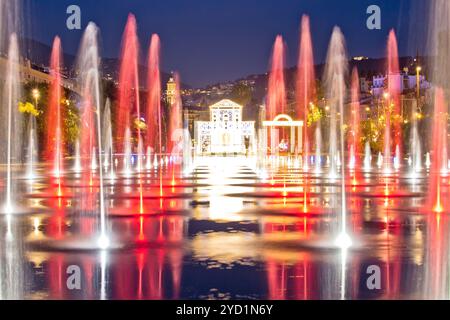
226	230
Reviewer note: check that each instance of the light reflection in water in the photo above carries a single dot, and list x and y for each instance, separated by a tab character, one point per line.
224	233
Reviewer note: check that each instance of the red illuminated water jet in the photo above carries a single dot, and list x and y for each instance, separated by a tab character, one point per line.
128	82
88	141
439	147
176	123
393	100
354	133
154	135
306	81
54	139
276	96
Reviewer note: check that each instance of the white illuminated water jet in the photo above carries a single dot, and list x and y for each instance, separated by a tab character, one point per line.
77	166
11	122
380	160
89	79
148	159
397	159
139	167
94	164
335	74
428	160
108	148
127	157
318	160
32	149
367	157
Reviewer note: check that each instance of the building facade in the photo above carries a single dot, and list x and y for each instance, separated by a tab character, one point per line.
225	133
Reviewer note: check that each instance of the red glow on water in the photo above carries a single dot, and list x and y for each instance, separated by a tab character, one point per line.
154	138
306	80
54	139
276	96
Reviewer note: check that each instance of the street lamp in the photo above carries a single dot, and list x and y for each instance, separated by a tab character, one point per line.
36	95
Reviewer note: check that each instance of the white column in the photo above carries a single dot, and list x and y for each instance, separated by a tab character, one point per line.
292	140
300	140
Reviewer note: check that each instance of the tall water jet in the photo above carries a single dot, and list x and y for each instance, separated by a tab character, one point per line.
176	123
318	159
439	46
392	104
11	120
354	132
89	81
127	153
154	113
129	98
108	148
32	149
439	149
276	94
306	83
54	139
367	157
416	146
335	75
77	158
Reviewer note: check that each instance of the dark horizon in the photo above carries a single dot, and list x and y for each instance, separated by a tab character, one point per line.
217	42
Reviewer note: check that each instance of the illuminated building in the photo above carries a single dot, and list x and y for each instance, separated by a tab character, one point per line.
225	133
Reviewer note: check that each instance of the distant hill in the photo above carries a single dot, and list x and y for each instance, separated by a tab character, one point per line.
366	68
39	54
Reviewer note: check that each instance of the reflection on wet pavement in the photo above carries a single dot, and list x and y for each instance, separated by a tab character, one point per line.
226	232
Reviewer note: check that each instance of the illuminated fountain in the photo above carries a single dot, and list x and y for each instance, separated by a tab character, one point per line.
306	85
437	158
334	76
318	159
54	143
154	113
367	157
77	158
439	150
392	107
11	120
108	149
276	95
127	153
355	134
89	81
129	94
416	149
176	123
32	149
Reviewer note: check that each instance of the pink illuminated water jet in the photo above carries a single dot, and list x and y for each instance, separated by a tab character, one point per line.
306	82
154	130
176	121
128	82
439	148
54	143
392	100
276	96
355	134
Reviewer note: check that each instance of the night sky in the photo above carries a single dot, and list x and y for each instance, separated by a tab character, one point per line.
209	41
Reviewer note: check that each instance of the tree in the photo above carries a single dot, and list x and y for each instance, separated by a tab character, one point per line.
241	94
